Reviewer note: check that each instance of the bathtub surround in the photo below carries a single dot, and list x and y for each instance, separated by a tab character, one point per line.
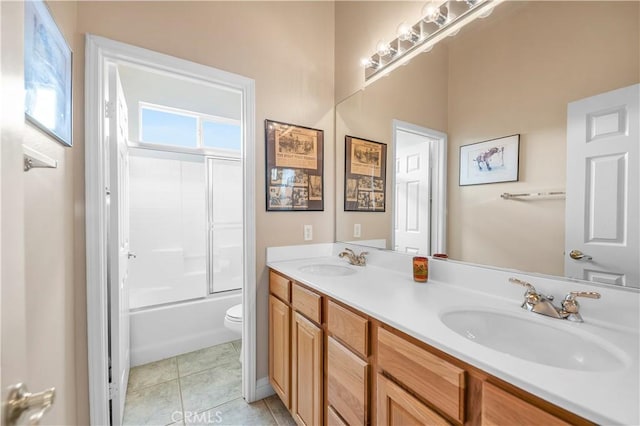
166	331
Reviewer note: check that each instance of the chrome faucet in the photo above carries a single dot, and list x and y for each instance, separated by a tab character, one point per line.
541	304
354	259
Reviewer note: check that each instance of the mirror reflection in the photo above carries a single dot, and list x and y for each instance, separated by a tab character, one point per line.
513	73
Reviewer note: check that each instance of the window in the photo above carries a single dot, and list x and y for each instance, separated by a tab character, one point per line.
168	128
165	126
221	135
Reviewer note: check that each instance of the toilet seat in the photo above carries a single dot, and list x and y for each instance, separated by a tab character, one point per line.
234	313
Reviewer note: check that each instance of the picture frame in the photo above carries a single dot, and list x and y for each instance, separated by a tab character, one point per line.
294	167
48	72
491	161
365	175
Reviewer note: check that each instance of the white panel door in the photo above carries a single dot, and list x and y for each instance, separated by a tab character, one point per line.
13	342
118	244
603	188
413	192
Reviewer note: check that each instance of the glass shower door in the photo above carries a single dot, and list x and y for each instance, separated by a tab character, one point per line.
225	218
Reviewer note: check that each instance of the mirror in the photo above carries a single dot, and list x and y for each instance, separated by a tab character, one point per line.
514	72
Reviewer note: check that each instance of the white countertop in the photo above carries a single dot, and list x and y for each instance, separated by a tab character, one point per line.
391	296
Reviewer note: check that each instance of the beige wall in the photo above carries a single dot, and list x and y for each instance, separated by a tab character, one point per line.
513	72
369	114
510	75
287	47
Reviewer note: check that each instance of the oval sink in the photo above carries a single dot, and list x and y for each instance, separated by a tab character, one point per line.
327	270
533	341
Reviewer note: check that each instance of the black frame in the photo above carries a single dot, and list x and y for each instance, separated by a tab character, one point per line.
517	178
378	184
307	168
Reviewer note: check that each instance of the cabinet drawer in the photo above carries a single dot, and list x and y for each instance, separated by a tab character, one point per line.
396	407
502	408
279	286
349	327
348	381
429	376
306	302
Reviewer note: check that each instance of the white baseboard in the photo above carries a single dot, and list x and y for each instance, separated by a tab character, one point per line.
263	388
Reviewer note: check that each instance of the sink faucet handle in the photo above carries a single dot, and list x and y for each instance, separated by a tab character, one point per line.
571	307
589	294
529	287
570	304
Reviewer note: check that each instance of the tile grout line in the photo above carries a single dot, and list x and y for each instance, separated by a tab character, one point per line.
184	422
209	368
271	412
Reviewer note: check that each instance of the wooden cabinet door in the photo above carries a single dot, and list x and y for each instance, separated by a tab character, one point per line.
396	407
347	383
307	373
280	348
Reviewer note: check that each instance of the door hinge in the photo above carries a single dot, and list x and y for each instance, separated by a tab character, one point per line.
109	107
112	390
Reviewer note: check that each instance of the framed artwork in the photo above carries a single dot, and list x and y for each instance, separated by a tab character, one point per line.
47	73
365	175
294	167
491	161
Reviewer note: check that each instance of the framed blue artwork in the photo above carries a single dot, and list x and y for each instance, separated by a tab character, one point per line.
491	161
47	73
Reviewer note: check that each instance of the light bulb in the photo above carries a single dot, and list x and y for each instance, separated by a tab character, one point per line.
433	13
365	62
404	31
382	48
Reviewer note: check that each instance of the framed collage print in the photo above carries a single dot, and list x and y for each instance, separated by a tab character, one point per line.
365	175
294	167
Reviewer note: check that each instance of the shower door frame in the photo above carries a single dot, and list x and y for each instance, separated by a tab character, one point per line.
100	51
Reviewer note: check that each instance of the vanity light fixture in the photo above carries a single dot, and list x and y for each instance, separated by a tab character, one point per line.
439	19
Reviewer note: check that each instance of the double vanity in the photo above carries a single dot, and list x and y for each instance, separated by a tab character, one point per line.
368	345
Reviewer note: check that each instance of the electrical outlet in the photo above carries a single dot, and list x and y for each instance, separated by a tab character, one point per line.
357	230
308	232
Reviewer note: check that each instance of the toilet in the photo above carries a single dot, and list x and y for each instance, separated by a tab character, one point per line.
233	321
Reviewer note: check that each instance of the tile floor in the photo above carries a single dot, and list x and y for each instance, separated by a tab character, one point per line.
197	388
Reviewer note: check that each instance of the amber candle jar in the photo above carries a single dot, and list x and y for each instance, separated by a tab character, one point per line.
420	269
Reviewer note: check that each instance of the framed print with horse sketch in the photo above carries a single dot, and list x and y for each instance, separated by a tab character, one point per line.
491	161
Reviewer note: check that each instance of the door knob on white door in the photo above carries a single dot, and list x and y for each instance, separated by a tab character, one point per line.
578	255
20	401
131	255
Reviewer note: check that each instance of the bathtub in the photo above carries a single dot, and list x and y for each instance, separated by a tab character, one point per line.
169	330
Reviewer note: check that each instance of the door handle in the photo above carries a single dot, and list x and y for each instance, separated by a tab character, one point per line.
578	255
131	255
20	400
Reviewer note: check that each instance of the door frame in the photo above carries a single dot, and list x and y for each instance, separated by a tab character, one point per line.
438	207
98	52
